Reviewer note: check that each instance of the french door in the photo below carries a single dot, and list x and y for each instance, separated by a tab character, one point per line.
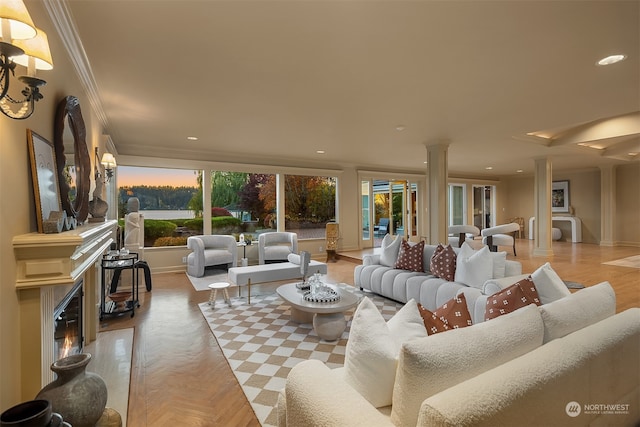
388	206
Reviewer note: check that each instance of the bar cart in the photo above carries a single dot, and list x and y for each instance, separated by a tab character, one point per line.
114	302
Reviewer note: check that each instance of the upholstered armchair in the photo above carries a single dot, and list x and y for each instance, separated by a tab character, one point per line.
500	235
276	246
210	250
458	234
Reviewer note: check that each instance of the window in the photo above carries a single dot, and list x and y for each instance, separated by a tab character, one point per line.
242	203
457	204
169	201
309	203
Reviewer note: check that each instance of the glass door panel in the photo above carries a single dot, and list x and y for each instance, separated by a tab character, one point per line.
388	206
366	201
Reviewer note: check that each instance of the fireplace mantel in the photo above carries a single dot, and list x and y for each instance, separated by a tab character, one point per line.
47	267
60	258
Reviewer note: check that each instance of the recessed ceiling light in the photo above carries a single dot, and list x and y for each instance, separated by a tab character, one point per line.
489	168
425	162
519	171
611	59
400	128
320	151
633	154
192	138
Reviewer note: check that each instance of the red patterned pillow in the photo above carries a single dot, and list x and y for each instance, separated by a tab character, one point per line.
453	314
410	256
443	263
516	296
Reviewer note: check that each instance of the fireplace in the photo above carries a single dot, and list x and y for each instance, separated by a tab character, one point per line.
57	275
68	335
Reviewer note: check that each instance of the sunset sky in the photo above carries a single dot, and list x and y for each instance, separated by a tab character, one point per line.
129	175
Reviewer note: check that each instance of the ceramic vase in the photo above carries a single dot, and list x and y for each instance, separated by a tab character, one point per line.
79	396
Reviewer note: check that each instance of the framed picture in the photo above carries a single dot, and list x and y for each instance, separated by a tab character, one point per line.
560	196
45	177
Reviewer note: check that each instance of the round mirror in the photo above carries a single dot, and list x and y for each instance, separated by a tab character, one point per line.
68	111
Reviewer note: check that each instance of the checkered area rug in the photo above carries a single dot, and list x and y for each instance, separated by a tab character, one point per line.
261	344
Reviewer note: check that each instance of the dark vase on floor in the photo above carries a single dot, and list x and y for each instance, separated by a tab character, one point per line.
79	396
33	413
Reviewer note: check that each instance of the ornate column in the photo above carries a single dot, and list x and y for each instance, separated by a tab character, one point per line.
437	176
542	206
607	205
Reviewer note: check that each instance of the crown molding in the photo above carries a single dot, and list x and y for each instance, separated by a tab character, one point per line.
65	26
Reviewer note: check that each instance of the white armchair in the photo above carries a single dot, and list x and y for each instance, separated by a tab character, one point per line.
210	250
458	234
276	246
500	235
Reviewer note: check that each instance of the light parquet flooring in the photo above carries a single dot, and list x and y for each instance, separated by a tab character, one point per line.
179	376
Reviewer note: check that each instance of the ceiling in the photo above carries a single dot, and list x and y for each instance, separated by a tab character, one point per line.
272	82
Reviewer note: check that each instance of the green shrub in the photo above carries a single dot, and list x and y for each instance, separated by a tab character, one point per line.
194	224
170	241
217	223
181	222
155	228
225	221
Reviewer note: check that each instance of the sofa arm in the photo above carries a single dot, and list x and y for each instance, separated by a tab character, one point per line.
316	396
371	260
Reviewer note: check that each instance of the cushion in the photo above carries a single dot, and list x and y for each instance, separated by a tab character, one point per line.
499	264
389	248
549	285
443	263
453	314
372	350
518	295
410	256
430	365
293	259
578	310
473	268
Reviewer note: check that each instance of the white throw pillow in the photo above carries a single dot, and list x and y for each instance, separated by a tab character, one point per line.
499	264
578	310
549	285
473	268
372	350
389	248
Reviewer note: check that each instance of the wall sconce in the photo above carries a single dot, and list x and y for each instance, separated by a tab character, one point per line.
24	44
109	163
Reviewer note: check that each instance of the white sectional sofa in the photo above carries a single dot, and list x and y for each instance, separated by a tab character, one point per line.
571	362
377	274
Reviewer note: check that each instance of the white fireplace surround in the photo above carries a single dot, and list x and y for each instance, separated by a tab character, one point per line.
47	267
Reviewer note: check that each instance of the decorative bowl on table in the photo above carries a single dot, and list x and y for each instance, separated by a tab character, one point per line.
120	296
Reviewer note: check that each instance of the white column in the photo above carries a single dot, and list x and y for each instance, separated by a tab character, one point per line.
206	201
437	174
607	205
542	206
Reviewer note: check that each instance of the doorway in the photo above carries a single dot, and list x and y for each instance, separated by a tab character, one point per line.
484	206
388	206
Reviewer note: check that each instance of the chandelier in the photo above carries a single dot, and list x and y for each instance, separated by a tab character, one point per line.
21	43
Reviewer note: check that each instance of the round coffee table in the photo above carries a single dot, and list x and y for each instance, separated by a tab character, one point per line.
327	317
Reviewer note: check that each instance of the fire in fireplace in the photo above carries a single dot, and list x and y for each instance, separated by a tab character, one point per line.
67	321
